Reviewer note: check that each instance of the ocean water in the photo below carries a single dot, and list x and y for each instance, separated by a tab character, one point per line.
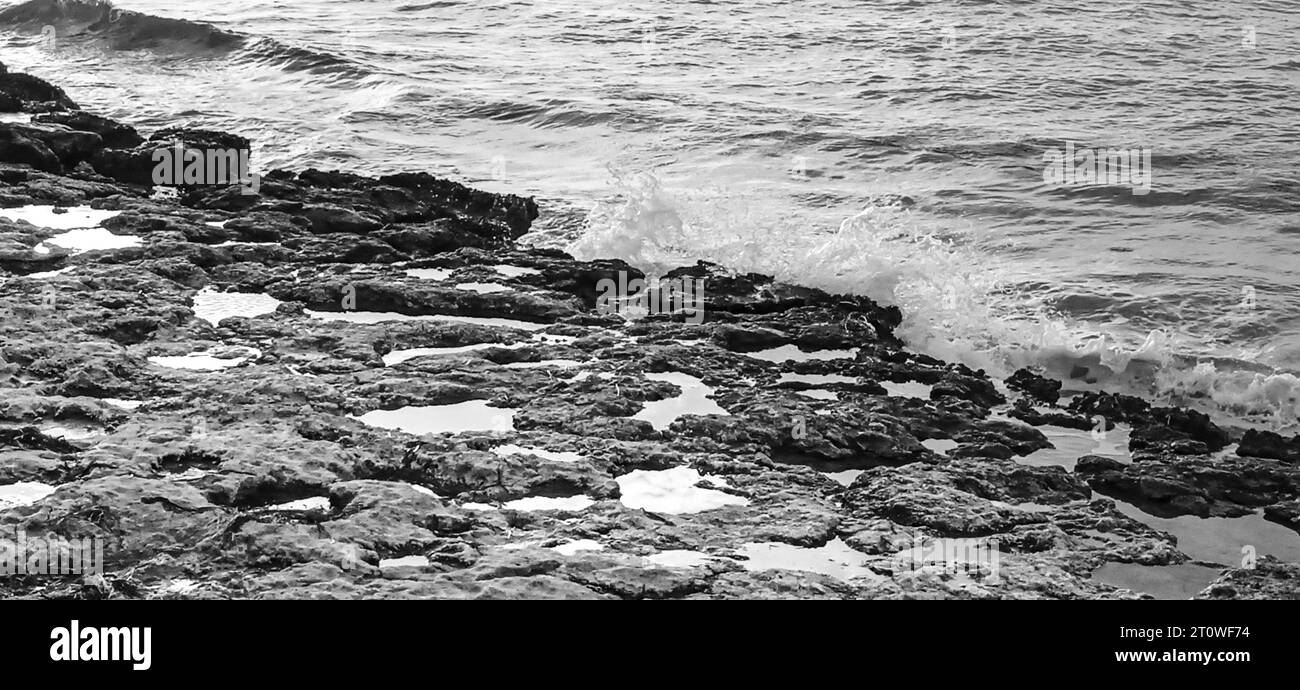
892	148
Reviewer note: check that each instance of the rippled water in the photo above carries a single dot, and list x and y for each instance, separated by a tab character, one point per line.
747	131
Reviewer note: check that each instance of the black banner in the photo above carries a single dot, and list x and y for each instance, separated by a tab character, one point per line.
956	641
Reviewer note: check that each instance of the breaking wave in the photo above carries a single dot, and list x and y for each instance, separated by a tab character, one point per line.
99	23
960	302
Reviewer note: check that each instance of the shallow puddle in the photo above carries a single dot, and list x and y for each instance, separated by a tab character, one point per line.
1161	581
45	275
545	363
199	361
23	494
87	239
572	547
73	432
313	503
484	288
1223	540
44	216
836	559
471	415
815	379
681	558
786	353
398	356
212	306
569	504
819	395
514	271
373	317
940	445
908	389
429	273
243	243
404	562
673	491
692	400
844	477
556	456
1072	444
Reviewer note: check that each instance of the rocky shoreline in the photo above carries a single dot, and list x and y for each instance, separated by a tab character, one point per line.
403	402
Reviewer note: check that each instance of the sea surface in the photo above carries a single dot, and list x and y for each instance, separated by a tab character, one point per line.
889	148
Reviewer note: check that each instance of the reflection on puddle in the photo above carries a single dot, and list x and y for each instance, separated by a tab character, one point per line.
1072	444
201	361
693	400
23	494
484	288
572	547
45	217
819	395
940	445
313	503
571	504
787	353
511	449
123	404
835	559
181	586
404	561
844	477
816	379
681	558
558	363
373	317
471	415
243	243
87	239
399	356
514	271
909	389
1161	581
1222	540
213	306
673	491
78	432
44	275
429	273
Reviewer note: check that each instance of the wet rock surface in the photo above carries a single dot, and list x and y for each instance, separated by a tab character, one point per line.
355	422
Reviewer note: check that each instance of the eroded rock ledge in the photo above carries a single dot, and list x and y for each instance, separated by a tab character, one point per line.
260	475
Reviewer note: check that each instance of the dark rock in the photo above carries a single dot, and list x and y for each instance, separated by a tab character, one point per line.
114	134
1115	407
977	389
1025	412
1044	389
17	147
36	94
1169	485
1268	579
71	146
1266	444
336	219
